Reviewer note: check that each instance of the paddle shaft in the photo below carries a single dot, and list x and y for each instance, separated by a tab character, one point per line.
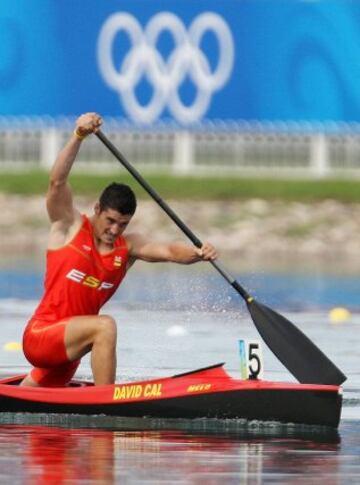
299	355
195	240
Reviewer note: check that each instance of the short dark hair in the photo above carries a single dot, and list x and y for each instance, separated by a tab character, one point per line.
119	197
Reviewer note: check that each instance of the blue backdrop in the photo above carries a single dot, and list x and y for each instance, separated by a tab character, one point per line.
150	60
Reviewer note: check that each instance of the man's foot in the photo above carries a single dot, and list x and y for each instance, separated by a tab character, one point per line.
28	381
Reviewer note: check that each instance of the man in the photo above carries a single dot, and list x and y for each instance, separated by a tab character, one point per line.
87	259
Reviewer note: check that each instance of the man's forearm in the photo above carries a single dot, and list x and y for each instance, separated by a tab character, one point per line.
64	162
85	125
183	254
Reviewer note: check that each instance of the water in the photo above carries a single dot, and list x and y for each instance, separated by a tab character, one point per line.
174	321
56	455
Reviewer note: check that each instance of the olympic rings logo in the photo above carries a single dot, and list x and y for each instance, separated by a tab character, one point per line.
143	60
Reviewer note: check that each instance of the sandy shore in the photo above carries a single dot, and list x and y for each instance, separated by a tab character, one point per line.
253	229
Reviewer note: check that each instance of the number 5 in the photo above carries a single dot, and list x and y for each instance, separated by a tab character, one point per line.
253	356
251	362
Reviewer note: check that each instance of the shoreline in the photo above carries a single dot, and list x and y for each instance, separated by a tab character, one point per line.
254	230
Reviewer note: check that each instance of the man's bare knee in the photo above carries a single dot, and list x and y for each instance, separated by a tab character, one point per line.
107	329
82	333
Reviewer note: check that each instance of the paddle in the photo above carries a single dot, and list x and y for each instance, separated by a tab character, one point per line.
296	351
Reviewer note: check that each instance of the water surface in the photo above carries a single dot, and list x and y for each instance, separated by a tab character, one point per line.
171	322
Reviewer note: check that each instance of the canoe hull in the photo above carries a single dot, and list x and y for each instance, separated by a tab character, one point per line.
206	393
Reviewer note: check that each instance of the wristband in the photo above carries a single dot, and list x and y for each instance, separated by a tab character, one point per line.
78	135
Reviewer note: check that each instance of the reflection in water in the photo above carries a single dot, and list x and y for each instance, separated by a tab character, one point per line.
39	454
51	455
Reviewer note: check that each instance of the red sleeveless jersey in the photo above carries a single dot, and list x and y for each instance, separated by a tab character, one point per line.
78	279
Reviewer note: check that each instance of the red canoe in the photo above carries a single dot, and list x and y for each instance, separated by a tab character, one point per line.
204	393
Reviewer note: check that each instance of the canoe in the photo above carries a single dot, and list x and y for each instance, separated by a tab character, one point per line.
203	393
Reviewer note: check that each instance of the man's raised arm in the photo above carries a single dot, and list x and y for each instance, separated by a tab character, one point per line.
59	197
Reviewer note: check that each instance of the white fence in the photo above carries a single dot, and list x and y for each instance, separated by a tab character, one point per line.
234	148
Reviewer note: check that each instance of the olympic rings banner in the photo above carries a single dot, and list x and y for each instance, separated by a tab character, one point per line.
190	61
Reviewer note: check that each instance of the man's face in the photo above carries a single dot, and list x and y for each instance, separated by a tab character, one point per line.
109	224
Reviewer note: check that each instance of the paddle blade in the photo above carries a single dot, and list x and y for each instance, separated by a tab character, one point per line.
298	354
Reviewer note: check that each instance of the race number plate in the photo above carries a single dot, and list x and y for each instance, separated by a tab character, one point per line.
251	359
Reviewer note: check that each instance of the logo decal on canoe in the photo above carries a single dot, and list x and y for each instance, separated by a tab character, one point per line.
199	387
135	391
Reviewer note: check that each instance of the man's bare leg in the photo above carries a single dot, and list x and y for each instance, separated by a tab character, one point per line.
28	381
95	334
98	335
